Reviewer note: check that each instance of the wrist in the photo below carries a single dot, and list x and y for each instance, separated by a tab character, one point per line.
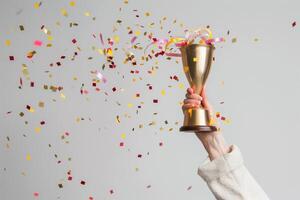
214	143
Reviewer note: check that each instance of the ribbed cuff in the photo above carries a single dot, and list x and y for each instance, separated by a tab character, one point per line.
211	170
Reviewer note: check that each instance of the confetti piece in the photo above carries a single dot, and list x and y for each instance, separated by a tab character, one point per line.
118	119
21	27
123	135
130	105
36	194
234	40
37	5
7	42
72	3
37	129
11	58
62	96
64	12
101	38
294	24
30	54
101	77
38	43
28	157
163	92
82	182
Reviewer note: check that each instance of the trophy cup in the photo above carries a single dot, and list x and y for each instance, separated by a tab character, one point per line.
197	60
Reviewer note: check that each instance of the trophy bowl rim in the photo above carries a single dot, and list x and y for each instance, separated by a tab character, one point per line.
204	45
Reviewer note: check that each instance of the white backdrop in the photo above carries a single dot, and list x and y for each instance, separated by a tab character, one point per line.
71	146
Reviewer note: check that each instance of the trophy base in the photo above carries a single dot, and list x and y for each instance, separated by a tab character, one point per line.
198	128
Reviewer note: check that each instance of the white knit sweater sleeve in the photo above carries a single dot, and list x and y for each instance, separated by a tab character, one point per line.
228	178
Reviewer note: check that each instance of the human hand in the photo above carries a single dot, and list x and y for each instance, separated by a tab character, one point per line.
194	100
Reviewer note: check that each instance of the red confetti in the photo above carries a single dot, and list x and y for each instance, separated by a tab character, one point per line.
111	191
82	182
155	100
121	144
35	194
114	89
294	23
74	41
11	58
139	155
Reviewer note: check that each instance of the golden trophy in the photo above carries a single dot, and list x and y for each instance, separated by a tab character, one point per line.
197	60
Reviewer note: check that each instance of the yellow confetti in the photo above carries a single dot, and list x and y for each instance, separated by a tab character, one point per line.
126	1
7	42
87	14
137	33
227	121
62	96
36	5
163	92
116	39
130	105
186	69
72	3
212	121
147	14
234	40
195	59
181	85
37	129
50	38
100	51
190	111
64	12
31	110
123	135
28	157
109	52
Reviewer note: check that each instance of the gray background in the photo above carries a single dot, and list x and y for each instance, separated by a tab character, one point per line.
258	82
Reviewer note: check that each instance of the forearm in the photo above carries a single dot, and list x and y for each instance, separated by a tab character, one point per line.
214	143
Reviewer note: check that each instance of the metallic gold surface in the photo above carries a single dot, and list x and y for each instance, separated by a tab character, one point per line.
197	60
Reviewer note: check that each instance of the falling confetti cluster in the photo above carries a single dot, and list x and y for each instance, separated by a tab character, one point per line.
141	53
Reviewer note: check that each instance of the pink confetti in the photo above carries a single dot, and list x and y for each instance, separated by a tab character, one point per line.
101	77
133	39
38	43
36	194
